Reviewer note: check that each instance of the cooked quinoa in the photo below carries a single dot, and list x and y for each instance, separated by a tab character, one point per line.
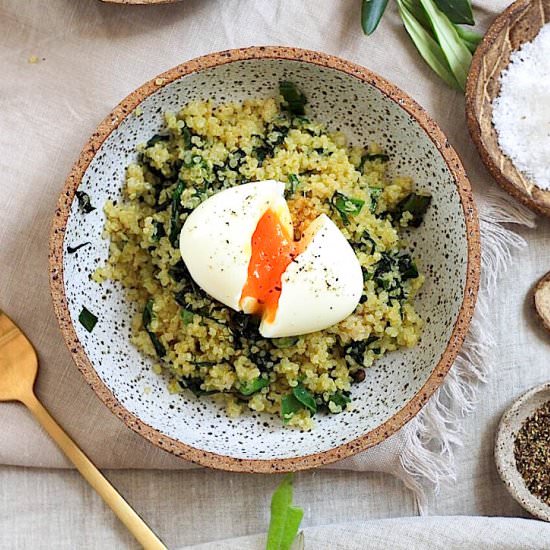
204	346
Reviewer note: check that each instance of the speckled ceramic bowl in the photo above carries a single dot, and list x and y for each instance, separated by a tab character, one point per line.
510	424
346	97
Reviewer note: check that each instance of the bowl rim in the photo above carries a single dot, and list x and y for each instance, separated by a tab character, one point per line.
504	453
364	441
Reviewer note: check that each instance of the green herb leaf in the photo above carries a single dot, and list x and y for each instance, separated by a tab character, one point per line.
346	206
156	139
427	47
305	398
289	406
470	38
458	11
457	54
292	185
84	203
340	399
285	342
295	100
417	205
375	193
285	518
371	13
253	386
87	319
186	316
175	222
159	231
147	317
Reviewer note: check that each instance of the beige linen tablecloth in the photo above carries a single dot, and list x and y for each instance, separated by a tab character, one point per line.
85	57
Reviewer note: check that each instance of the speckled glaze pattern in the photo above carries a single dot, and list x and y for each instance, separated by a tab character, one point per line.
518	24
346	97
510	424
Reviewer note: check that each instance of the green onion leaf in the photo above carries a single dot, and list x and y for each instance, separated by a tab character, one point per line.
186	316
457	54
285	342
346	206
253	386
87	319
416	205
458	11
371	13
285	518
305	398
427	47
84	203
175	222
289	406
295	100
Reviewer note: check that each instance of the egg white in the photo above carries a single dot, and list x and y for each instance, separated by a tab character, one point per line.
320	287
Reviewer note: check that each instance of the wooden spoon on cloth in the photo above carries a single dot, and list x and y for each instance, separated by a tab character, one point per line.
18	369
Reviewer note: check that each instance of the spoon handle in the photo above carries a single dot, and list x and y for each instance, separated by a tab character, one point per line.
94	477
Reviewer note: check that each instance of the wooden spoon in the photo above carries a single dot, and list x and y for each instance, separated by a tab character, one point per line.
18	369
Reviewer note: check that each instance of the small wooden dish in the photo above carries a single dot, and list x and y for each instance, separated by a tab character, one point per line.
541	298
518	24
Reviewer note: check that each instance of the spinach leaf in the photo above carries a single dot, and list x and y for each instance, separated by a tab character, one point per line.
73	249
371	13
292	185
159	231
305	397
294	98
253	386
147	317
87	319
186	316
157	138
340	399
458	11
346	206
407	267
186	134
175	222
368	157
289	406
285	342
179	271
356	349
84	204
375	193
417	205
285	518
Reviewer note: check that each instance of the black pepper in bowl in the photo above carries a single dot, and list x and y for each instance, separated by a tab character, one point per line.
532	453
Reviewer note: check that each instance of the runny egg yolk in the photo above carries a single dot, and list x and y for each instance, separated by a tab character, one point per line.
272	251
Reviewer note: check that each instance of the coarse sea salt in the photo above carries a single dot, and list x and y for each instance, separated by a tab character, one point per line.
521	112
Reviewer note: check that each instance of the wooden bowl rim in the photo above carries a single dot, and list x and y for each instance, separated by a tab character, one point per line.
474	75
361	443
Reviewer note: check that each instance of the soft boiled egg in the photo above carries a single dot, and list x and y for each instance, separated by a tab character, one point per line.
238	246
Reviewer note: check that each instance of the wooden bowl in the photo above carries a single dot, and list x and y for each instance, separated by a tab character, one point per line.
518	24
366	108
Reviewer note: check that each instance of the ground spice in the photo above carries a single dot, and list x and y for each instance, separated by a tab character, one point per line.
532	452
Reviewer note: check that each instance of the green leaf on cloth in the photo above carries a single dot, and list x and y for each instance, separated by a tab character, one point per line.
285	518
371	13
